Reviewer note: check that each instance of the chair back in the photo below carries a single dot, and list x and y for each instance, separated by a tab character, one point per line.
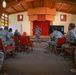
23	40
61	41
24	33
16	39
28	38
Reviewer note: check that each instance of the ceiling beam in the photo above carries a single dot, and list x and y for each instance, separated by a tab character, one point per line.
32	4
41	2
14	9
22	6
60	7
7	12
70	9
51	3
24	0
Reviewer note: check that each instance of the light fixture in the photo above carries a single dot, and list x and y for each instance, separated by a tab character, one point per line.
4	4
62	16
20	16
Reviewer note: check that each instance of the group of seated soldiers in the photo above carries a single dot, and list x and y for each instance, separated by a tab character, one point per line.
70	40
70	36
6	37
7	40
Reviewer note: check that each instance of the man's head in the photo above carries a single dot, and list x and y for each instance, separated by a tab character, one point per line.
55	28
71	26
1	29
10	30
6	28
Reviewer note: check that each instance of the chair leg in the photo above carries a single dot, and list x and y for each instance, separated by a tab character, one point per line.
5	55
13	53
55	50
28	49
31	47
73	56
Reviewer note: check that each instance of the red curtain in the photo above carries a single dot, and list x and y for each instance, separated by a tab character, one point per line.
44	25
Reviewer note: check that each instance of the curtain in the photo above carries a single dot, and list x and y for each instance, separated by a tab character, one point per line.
44	25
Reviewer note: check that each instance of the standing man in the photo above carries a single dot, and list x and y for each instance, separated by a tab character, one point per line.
37	31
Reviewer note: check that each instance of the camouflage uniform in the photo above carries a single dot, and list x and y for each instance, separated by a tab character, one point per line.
71	35
7	40
38	31
1	59
11	34
53	40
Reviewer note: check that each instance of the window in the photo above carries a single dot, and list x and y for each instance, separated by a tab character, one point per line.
4	20
63	17
20	17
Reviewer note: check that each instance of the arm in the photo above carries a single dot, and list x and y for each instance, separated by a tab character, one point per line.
70	37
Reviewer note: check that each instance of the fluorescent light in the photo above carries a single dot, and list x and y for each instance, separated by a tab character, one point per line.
4	4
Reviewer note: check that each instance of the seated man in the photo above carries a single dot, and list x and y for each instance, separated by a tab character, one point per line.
16	33
70	36
53	40
5	36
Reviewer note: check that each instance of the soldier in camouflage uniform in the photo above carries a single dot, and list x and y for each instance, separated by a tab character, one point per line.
4	35
53	40
70	36
10	32
38	31
1	54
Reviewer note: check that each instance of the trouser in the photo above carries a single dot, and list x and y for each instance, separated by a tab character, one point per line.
9	43
1	59
50	44
37	39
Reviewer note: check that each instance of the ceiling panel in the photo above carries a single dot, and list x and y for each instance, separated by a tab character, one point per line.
25	6
65	7
29	5
36	3
56	5
10	10
47	3
18	7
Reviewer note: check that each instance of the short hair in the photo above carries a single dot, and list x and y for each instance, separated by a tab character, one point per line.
10	30
55	28
6	28
1	29
72	25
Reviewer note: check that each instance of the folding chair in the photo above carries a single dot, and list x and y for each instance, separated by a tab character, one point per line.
60	42
30	42
25	45
24	34
17	42
6	49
